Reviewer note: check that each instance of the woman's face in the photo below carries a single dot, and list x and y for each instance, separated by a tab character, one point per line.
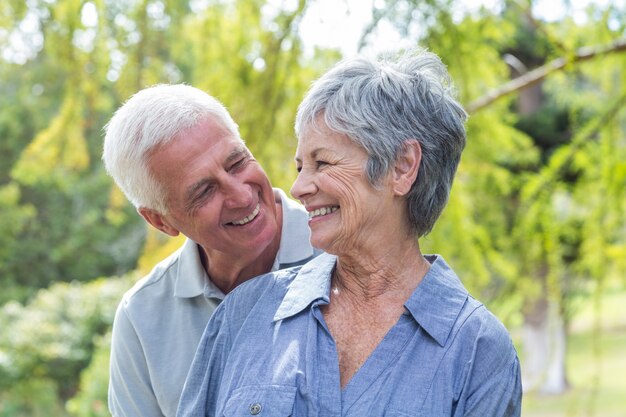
346	213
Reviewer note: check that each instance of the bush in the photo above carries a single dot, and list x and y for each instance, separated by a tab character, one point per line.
46	343
91	400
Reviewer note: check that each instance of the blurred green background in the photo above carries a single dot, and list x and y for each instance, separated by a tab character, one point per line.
535	226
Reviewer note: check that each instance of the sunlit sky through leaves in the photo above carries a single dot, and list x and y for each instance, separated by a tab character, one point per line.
339	23
327	23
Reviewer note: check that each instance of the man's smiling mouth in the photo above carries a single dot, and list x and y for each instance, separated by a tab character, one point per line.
248	218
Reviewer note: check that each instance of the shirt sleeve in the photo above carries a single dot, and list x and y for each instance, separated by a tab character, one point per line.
499	396
199	396
130	389
493	384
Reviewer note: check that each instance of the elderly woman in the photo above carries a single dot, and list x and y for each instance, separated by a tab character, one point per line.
373	327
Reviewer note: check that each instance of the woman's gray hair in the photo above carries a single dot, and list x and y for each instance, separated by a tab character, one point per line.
382	104
149	119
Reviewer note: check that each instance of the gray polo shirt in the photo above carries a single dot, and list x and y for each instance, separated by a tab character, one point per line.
160	321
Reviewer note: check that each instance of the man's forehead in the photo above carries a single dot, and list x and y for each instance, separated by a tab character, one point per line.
235	148
221	138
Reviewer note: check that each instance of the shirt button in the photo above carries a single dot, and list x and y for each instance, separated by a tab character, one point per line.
255	409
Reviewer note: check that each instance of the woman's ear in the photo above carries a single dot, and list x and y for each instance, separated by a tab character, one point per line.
158	221
406	167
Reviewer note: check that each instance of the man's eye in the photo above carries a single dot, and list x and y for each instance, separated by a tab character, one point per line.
200	197
238	164
205	192
320	164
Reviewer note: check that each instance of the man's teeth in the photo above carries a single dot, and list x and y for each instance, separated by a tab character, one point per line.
249	217
322	211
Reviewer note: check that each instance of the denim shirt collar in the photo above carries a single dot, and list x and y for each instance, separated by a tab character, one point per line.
434	305
312	282
438	299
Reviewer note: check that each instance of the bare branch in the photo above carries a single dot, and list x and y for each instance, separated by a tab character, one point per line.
553	171
538	74
378	14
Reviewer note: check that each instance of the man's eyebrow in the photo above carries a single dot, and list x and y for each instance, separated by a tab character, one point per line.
191	191
236	153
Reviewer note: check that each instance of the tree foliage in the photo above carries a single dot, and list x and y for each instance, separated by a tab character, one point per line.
536	215
46	343
80	60
528	166
66	66
536	210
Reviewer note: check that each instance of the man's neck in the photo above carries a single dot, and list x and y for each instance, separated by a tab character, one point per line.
226	273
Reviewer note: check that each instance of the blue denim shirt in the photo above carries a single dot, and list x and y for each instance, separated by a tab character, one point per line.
267	351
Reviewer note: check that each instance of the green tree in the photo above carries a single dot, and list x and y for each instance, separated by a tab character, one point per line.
535	216
14	217
52	125
79	60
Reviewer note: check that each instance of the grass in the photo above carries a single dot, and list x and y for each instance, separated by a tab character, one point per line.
596	365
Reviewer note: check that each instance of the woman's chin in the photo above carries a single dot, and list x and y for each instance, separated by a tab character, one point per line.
328	245
320	242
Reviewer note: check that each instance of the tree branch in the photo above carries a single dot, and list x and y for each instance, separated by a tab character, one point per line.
553	171
538	74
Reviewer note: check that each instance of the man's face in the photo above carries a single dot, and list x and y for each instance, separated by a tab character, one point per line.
217	193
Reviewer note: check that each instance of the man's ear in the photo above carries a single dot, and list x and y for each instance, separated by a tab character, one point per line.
158	221
406	167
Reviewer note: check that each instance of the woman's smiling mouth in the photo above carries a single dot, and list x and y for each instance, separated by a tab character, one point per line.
322	211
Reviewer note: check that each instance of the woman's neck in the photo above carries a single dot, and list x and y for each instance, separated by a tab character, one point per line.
390	271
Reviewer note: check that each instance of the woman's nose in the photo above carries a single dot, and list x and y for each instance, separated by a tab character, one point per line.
302	186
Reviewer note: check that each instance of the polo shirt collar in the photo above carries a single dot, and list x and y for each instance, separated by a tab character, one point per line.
191	278
438	300
295	234
311	283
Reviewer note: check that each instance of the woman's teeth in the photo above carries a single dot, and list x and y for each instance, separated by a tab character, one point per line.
322	211
249	217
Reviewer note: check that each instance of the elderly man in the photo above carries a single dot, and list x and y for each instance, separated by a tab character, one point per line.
177	155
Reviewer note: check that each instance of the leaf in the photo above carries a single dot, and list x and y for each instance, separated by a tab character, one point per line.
56	152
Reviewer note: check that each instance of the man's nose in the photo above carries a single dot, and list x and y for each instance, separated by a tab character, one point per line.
237	194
